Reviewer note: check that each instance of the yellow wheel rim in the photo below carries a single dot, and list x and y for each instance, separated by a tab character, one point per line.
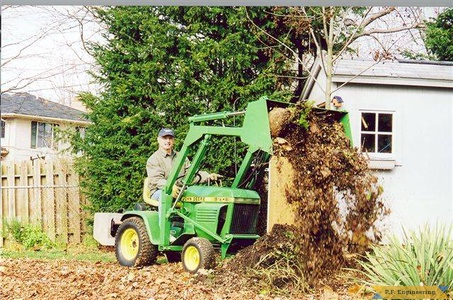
129	244
192	258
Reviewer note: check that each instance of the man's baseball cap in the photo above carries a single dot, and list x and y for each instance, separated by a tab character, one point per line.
166	131
339	99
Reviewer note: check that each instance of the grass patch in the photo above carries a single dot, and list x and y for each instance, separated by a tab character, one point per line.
27	240
71	253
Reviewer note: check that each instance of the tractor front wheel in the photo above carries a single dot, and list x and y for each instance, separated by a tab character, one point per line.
198	253
132	245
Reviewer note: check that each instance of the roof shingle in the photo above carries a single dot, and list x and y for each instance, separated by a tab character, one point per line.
27	104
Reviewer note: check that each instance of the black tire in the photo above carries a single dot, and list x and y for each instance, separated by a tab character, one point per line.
132	245
173	256
198	253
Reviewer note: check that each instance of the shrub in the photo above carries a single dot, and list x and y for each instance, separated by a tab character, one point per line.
423	257
28	235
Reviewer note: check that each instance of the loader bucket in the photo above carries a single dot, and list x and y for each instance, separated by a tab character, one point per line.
339	116
256	130
257	117
264	106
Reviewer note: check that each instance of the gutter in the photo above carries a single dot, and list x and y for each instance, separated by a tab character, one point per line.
388	80
313	77
46	119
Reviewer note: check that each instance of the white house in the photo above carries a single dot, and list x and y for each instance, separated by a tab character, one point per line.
28	126
401	116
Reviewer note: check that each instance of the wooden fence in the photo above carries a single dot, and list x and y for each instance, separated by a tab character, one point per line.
44	193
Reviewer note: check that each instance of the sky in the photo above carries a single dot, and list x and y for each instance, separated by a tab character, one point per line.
51	54
42	46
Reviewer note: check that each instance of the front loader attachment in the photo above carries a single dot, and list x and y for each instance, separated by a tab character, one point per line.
252	128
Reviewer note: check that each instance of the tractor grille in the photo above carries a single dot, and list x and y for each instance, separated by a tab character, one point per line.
206	216
244	219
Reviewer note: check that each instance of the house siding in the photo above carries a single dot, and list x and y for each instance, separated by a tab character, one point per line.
19	110
18	142
419	189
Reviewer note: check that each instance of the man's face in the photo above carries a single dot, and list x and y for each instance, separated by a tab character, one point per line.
166	143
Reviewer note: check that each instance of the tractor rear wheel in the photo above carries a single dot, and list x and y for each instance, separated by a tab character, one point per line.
198	253
132	245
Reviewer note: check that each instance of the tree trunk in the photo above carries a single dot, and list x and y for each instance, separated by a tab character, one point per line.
329	57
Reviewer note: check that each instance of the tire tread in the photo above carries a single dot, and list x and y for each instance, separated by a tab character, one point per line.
147	253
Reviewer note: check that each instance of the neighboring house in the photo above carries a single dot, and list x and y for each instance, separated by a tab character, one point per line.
28	126
401	117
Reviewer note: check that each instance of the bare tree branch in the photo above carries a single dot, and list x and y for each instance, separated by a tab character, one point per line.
300	61
387	31
376	16
63	62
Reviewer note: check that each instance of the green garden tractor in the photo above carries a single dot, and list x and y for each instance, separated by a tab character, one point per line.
203	219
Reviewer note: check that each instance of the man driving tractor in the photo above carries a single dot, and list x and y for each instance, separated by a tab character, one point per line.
160	164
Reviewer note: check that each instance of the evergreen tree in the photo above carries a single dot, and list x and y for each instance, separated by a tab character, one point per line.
158	66
439	36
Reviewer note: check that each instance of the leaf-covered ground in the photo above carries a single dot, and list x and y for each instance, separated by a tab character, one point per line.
67	279
71	279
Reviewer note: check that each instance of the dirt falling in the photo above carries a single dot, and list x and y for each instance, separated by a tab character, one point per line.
337	198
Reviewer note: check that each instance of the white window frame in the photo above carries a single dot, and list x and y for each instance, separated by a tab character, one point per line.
380	160
44	136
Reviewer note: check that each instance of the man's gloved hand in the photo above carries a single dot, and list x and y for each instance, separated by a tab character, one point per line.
215	177
175	191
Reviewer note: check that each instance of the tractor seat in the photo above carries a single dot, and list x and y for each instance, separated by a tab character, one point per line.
147	194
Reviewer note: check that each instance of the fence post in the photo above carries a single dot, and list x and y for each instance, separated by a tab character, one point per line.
37	204
2	215
62	200
74	205
22	193
46	183
10	182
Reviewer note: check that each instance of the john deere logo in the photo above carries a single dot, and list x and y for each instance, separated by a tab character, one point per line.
220	200
208	199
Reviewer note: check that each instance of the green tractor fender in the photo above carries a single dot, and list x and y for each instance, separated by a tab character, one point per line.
151	221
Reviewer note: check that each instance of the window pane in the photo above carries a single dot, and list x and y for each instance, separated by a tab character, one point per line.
47	135
54	139
41	134
368	143
34	128
368	121
385	123
3	129
385	143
